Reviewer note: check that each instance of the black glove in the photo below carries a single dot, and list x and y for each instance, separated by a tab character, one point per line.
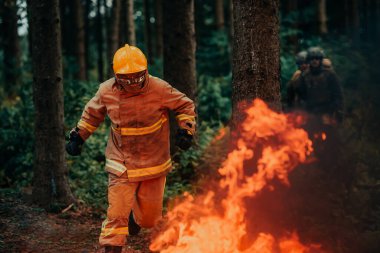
183	139
74	146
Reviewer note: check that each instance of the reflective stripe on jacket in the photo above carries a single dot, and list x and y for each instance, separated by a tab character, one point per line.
138	143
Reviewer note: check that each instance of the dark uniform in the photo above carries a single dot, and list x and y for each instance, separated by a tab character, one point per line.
320	92
292	98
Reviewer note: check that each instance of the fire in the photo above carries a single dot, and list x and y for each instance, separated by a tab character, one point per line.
215	221
221	134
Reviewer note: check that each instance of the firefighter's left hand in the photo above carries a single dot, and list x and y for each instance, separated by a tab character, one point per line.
74	146
184	139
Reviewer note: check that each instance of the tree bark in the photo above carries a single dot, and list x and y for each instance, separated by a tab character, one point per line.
377	20
322	17
159	30
66	9
231	10
355	28
87	28
11	47
219	14
50	183
131	33
113	39
374	25
179	50
80	50
99	41
256	55
291	8
123	25
148	32
179	41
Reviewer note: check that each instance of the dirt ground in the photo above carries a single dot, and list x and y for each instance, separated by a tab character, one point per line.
29	229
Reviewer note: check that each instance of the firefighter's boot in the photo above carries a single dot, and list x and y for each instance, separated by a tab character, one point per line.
133	227
113	249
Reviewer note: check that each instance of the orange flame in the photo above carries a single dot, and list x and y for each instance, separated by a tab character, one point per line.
215	221
221	134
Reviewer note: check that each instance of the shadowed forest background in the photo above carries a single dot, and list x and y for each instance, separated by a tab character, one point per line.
190	44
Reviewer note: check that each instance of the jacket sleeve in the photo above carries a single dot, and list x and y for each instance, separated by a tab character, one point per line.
182	106
93	115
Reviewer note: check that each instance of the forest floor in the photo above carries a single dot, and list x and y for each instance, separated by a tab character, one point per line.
28	229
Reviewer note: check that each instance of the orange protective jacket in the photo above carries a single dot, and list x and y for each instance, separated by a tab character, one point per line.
138	143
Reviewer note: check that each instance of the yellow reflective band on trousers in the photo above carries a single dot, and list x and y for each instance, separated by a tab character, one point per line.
185	117
140	172
85	125
117	167
141	130
114	231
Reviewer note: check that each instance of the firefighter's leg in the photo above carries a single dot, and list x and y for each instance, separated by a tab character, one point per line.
121	195
147	209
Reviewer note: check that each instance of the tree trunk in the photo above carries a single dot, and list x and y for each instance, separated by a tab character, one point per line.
123	25
99	41
87	28
148	32
179	41
113	39
374	25
131	33
291	8
67	13
355	28
322	17
179	49
219	14
256	55
11	47
377	20
50	183
159	30
231	10
80	51
347	10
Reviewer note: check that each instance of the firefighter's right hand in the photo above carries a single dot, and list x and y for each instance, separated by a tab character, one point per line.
74	146
184	139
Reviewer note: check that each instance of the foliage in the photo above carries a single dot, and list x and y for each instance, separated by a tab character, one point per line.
213	54
88	177
185	163
87	174
214	103
17	135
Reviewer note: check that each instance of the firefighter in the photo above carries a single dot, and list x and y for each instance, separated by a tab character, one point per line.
316	87
319	88
302	65
137	153
320	94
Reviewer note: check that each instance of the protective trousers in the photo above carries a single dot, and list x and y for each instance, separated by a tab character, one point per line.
144	198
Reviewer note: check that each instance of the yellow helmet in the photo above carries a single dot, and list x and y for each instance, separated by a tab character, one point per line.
129	59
